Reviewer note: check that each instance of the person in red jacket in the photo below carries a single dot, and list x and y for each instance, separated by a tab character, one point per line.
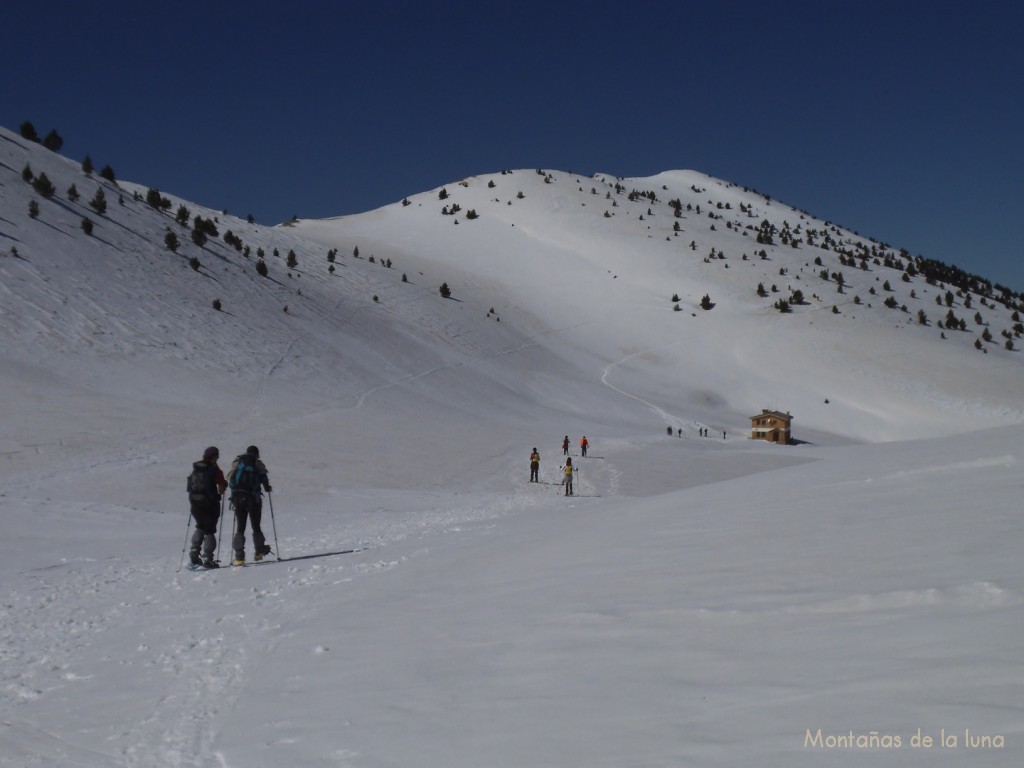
583	446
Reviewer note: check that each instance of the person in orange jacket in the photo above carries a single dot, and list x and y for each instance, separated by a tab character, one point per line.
583	446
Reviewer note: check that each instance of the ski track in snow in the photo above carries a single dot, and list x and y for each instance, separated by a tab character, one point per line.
673	421
42	636
46	642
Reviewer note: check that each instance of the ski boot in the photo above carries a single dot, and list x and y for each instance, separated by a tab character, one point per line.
264	550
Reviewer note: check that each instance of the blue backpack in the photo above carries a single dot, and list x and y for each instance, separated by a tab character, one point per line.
245	478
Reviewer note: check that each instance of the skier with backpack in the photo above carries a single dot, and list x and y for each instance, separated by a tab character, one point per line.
248	479
206	484
534	466
567	482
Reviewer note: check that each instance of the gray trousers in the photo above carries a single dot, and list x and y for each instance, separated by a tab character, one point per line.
206	515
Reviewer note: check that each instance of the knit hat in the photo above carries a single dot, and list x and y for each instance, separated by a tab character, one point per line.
211	453
252	450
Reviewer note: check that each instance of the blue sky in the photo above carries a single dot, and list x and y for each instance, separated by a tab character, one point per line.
900	120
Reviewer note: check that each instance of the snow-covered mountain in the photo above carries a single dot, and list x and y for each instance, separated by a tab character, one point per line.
543	264
700	601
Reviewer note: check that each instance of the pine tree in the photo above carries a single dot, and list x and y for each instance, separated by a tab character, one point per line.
171	242
108	173
28	131
53	141
73	193
43	185
87	166
261	268
446	292
99	202
33	208
87	226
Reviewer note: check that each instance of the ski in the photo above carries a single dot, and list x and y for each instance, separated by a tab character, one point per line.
247	563
278	559
200	567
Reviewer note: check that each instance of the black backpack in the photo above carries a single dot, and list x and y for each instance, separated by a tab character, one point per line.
202	484
245	478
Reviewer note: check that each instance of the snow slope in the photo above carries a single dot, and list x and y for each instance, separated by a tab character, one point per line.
700	601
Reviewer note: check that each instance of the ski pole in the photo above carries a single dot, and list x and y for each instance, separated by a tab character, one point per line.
273	522
188	527
220	526
237	523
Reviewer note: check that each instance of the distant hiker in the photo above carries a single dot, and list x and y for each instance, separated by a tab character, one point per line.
534	467
248	479
669	431
205	486
680	431
583	446
567	482
565	446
